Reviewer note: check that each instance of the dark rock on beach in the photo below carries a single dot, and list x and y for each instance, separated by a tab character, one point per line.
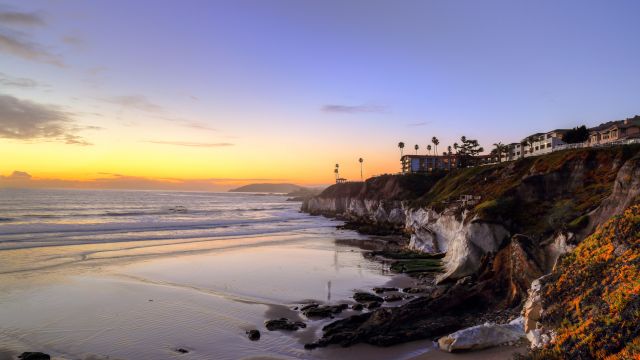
182	350
34	356
357	307
393	298
380	290
284	324
322	311
373	305
363	297
253	335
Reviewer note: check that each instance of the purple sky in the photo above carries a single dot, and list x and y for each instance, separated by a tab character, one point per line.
334	80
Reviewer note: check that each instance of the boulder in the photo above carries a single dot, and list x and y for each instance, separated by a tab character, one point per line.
253	335
363	297
323	311
34	356
380	290
483	336
393	298
284	324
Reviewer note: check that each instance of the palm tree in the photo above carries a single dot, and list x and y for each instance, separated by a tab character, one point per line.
335	171
499	150
401	146
455	146
429	149
449	154
361	160
435	142
416	147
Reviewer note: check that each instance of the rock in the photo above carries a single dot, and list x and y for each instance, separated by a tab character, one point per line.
323	311
253	335
34	356
309	306
182	350
411	290
532	309
380	290
284	324
373	305
393	298
483	336
539	339
357	307
363	297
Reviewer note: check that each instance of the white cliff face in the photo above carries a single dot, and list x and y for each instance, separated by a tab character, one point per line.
465	242
376	211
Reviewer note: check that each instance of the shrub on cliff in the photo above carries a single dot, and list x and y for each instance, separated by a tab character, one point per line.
592	300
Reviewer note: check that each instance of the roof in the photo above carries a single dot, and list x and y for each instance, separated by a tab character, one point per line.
427	156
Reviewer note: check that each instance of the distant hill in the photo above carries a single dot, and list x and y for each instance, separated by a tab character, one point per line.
271	188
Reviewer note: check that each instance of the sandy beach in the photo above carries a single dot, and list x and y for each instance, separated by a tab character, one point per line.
82	291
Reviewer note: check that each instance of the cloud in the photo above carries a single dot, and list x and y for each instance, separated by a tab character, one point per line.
352	109
137	102
423	123
189	144
6	80
108	180
74	41
17	175
28	120
16	45
20	19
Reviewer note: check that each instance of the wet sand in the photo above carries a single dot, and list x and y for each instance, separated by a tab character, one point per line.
144	300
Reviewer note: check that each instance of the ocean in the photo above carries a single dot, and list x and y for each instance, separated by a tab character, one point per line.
140	274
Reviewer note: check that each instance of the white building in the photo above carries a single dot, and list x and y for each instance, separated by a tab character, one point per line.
542	143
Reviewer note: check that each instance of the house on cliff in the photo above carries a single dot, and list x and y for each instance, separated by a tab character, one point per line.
428	163
613	131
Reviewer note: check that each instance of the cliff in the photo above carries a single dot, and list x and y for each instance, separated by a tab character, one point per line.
556	200
501	226
591	300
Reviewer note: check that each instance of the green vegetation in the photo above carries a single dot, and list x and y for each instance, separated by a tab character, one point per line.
592	299
536	195
576	135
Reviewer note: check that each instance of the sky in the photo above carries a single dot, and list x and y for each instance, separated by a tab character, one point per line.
210	95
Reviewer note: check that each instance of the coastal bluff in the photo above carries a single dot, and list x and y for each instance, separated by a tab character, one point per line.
500	227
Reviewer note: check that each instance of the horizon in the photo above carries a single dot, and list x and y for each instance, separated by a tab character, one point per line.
200	96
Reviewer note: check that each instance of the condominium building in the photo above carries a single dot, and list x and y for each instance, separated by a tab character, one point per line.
428	163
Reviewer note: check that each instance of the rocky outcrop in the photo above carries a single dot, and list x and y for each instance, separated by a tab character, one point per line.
483	336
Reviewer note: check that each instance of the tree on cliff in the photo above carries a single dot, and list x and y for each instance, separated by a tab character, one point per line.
469	149
401	146
435	142
416	147
499	150
429	149
576	135
361	160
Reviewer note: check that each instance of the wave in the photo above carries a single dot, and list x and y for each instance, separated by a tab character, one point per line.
142	212
28	229
190	238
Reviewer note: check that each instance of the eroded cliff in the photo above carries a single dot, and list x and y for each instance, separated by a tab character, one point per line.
501	227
